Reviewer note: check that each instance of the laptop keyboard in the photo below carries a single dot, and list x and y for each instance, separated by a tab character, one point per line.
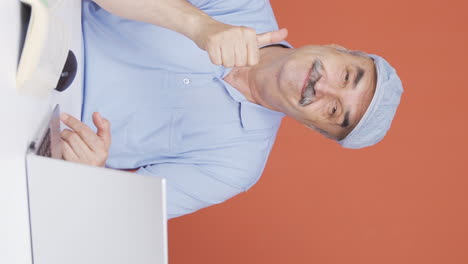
45	147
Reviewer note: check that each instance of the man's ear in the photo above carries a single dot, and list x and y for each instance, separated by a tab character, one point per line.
336	46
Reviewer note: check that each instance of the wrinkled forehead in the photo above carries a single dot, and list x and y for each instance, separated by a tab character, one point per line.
366	90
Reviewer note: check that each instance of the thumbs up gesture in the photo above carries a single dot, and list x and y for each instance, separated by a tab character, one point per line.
233	45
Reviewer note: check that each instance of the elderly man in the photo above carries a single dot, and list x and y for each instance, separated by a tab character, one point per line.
208	129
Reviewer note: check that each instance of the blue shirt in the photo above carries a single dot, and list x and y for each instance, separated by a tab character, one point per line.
172	114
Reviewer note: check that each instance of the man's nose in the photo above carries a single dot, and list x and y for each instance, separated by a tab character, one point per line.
324	88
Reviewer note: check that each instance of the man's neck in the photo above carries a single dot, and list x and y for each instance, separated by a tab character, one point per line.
239	79
243	78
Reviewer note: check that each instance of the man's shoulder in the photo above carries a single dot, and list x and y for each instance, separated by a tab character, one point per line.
256	14
232	4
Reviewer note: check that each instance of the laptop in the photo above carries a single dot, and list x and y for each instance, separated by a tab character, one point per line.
93	215
47	142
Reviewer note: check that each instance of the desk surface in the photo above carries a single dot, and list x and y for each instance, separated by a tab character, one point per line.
20	116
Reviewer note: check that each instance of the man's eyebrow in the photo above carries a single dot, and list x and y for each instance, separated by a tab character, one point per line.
346	120
359	75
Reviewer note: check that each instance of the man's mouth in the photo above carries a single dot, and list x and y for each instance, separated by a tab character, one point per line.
308	91
306	81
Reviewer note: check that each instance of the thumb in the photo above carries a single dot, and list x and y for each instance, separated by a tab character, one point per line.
272	37
103	128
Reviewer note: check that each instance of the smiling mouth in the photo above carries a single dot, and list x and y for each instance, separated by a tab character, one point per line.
308	91
307	80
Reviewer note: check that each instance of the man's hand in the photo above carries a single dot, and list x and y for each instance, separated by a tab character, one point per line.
82	145
235	46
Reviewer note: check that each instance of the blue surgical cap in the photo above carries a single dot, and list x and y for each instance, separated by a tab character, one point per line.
378	117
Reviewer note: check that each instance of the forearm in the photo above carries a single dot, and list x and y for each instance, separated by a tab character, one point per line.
176	15
226	45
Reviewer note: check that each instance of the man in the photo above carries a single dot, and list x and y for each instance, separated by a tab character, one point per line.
208	129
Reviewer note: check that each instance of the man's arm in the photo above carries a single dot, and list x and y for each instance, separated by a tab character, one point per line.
176	15
227	45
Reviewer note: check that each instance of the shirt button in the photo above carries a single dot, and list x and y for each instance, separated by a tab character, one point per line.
186	80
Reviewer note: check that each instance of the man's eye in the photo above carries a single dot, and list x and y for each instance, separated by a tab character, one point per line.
333	110
347	76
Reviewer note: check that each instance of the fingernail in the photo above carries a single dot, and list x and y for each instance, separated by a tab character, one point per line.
63	116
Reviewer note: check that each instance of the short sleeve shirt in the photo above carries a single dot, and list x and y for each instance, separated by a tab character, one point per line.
172	115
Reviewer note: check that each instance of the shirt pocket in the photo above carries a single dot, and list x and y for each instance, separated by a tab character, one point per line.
151	131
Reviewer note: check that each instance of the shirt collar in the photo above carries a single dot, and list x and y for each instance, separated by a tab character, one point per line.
253	116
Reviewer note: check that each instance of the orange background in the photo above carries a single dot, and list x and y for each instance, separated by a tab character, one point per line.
402	201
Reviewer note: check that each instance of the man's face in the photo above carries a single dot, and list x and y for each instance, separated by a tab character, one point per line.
320	87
